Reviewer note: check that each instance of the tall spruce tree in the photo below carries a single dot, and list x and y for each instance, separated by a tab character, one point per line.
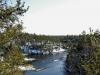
10	28
85	59
92	64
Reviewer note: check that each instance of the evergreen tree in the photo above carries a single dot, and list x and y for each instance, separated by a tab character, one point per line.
10	28
85	59
92	64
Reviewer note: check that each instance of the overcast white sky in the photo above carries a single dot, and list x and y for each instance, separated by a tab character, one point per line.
61	17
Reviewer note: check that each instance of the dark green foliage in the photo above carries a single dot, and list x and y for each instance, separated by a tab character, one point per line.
11	62
92	63
13	56
10	28
85	59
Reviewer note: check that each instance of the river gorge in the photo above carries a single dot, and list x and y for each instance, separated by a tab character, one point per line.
48	65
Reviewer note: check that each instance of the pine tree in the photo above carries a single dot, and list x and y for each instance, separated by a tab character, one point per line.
10	28
92	64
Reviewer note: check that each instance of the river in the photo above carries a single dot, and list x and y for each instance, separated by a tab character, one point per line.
49	65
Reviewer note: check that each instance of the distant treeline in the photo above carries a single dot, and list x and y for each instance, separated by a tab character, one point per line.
65	39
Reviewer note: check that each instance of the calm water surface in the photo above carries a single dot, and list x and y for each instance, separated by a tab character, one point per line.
49	65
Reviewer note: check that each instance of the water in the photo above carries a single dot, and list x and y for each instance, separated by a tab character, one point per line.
49	65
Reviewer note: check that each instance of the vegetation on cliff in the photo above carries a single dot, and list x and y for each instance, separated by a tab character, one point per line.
84	58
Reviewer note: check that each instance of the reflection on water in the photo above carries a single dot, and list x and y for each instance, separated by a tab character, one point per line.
49	65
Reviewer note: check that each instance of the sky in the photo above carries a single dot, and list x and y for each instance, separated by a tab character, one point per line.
61	17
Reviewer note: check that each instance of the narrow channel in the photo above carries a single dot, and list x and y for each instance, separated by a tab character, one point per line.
49	65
